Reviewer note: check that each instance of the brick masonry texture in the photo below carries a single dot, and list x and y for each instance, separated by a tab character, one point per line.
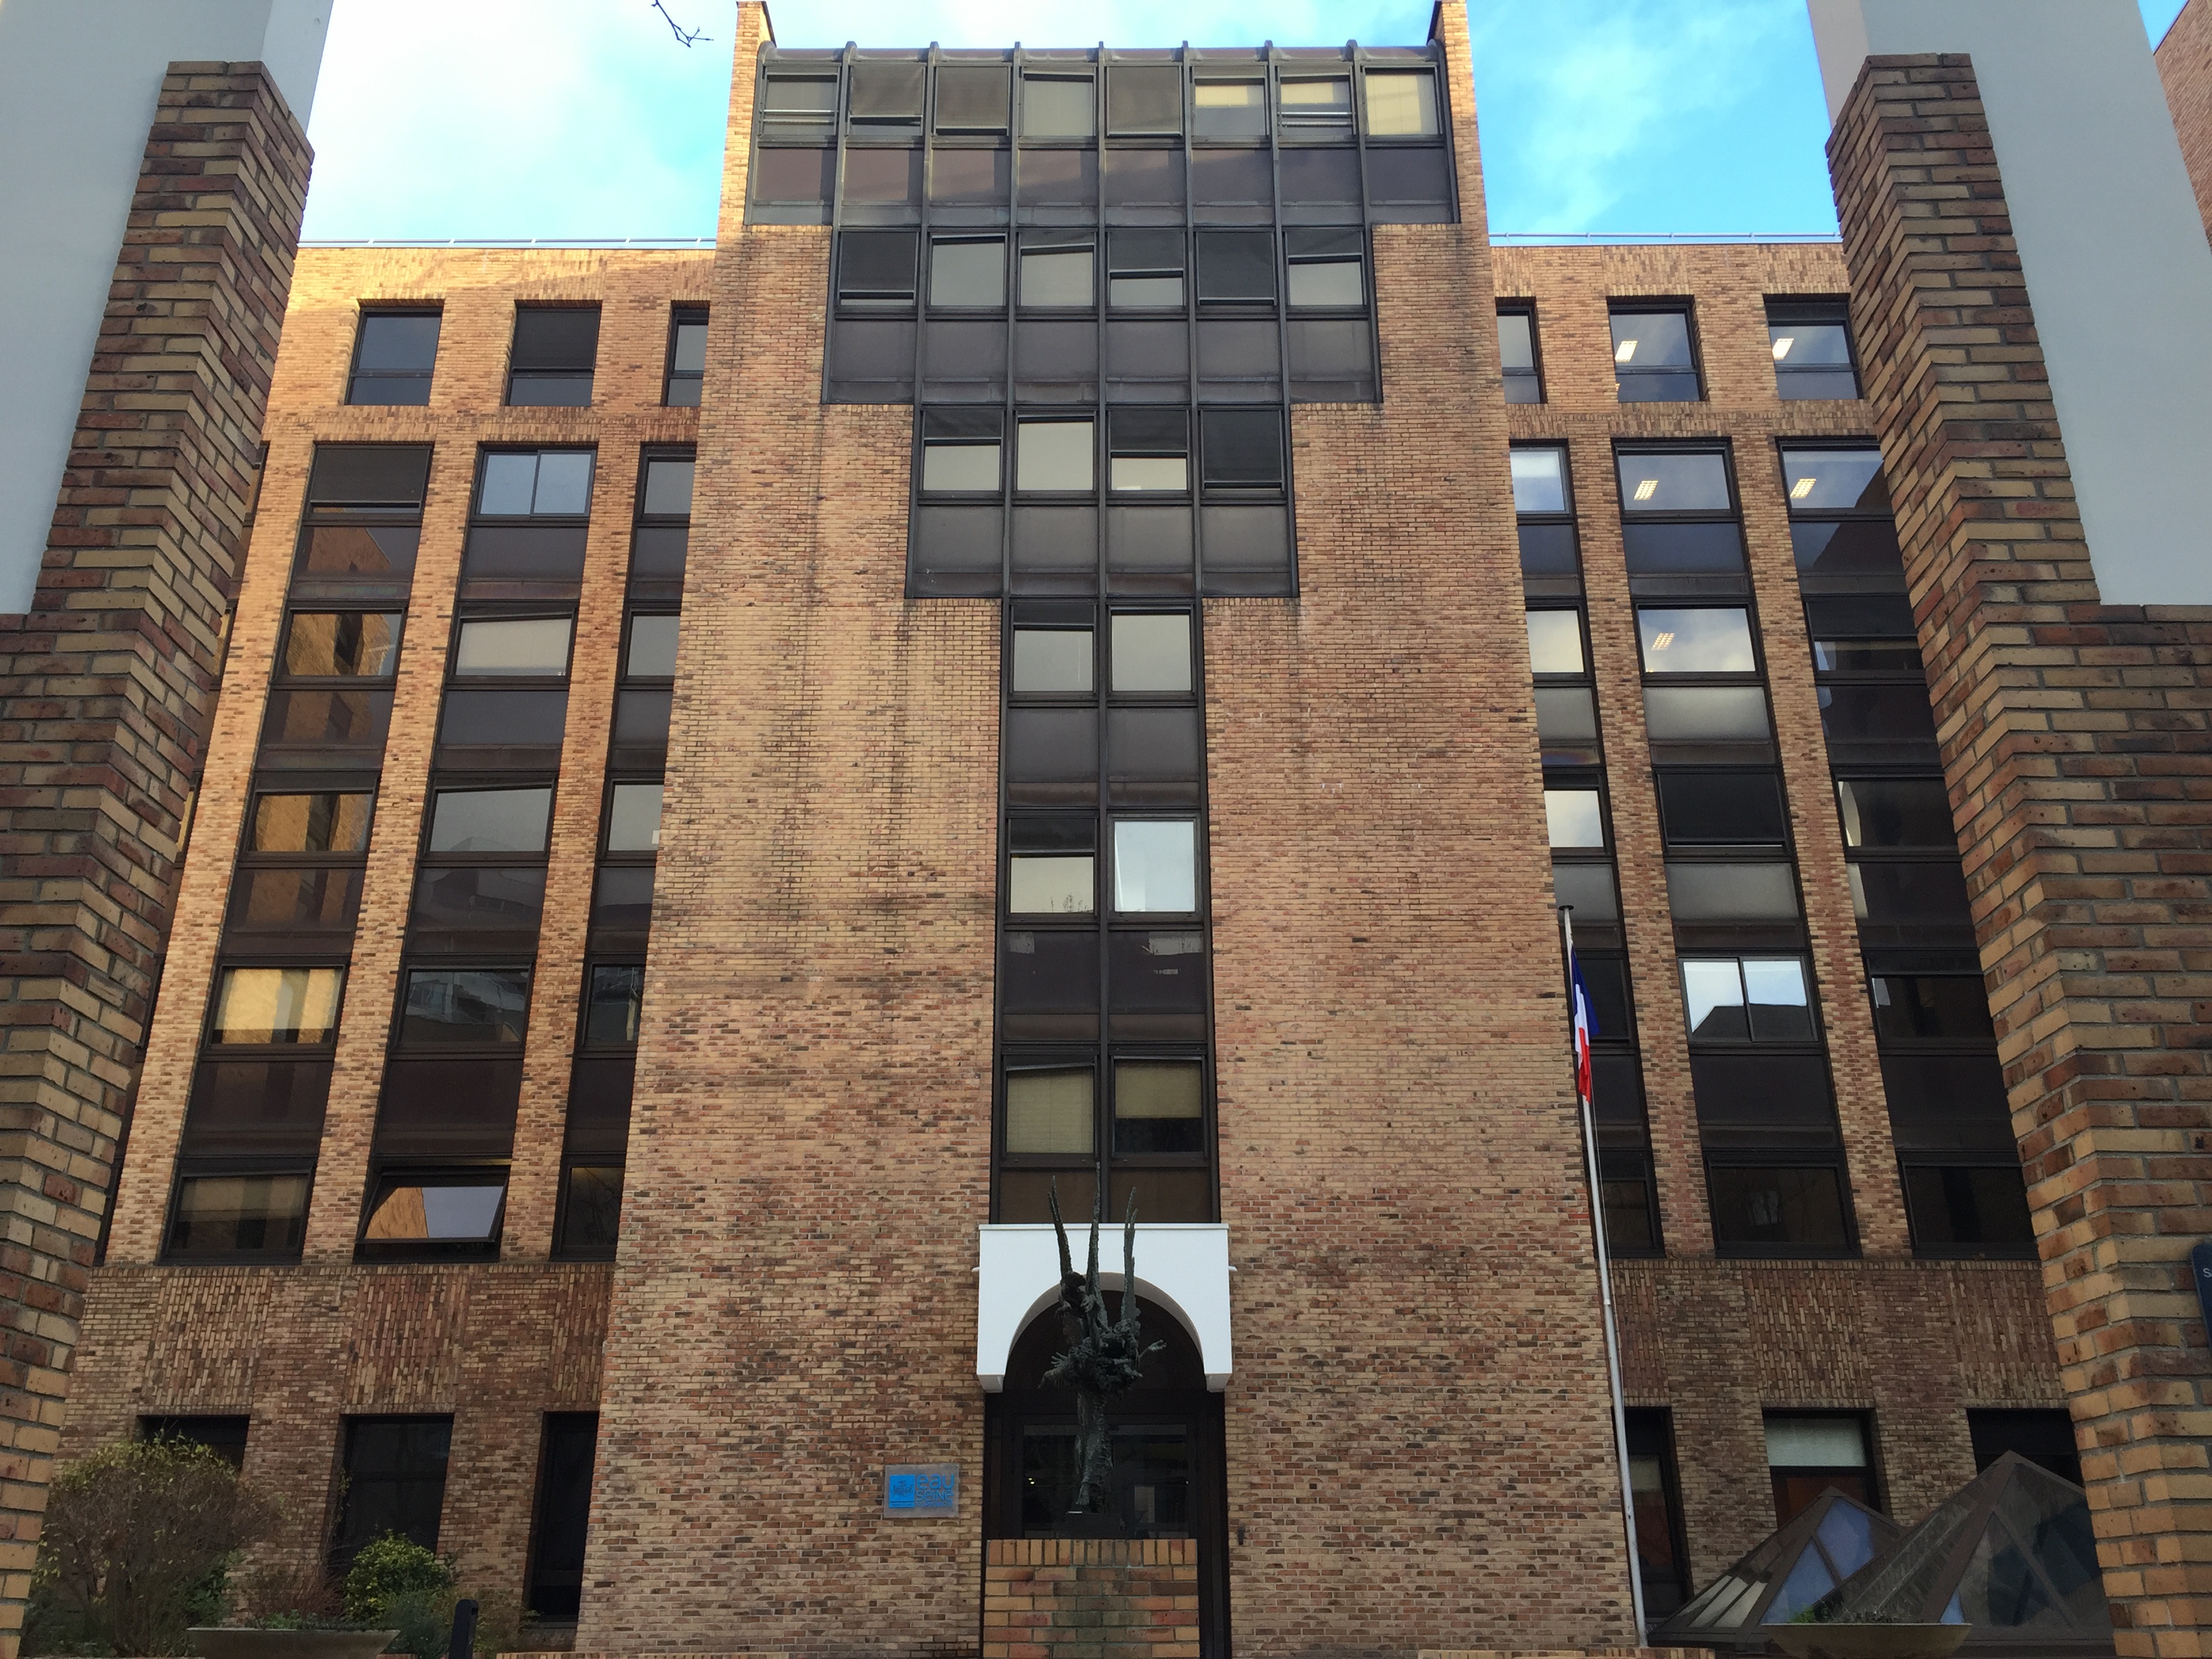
111	680
1914	1344
2185	64
1090	1598
2075	743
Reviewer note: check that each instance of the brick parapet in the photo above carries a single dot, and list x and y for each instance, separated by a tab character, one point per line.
2184	67
111	680
1090	1598
2075	742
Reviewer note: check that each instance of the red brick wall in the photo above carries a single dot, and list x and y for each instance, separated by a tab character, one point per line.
110	681
2074	743
1090	1598
2185	64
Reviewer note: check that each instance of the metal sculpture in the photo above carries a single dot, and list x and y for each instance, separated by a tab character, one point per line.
1104	1357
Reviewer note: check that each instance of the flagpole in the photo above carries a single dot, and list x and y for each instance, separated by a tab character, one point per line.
1604	1277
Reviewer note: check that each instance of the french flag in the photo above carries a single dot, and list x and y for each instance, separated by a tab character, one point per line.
1585	1026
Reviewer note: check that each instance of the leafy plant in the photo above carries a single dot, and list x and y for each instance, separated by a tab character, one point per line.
395	1584
139	1542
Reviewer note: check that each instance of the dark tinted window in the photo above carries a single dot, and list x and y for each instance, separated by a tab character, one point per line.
555	350
2041	1436
564	1509
1243	448
1781	1211
465	1005
395	1470
393	356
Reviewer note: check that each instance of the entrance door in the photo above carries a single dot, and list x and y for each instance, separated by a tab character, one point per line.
1168	1476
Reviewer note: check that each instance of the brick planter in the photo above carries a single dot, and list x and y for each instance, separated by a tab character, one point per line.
1090	1598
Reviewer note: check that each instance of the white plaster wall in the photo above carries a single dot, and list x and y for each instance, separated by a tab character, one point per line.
78	82
2118	266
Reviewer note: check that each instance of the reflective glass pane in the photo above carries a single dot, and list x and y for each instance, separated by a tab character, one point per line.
1144	293
320	822
363	644
240	1215
1049	1112
534	645
564	482
1814	1442
668	486
1774	990
972	97
1402	104
1056	107
1057	886
1155	866
1539	480
277	1005
1052	659
1810	345
960	466
652	647
634	818
1651	339
1517	342
1706	713
1229	109
491	820
1159	1106
1056	277
1895	812
1143	99
1588	889
687	355
968	274
1714	993
510	483
1325	283
1692	482
465	1005
1703	641
613	1005
1835	480
1555	642
800	97
1573	819
1055	455
1151	653
1731	893
397	343
450	1209
1321	103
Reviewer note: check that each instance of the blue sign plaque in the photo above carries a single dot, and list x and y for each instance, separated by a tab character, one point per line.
915	1490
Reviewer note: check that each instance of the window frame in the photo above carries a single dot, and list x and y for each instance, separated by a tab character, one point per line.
1652	305
589	374
1518	306
356	374
1809	309
682	314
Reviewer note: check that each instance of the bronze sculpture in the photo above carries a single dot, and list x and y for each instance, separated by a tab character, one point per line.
1104	1357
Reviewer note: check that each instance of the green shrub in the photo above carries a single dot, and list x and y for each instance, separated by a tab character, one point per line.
139	1540
389	1568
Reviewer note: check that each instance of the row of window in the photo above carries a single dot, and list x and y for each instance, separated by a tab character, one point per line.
1808	1453
453	1076
1655	350
551	358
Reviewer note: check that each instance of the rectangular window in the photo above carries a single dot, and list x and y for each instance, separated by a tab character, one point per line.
1401	103
1228	109
687	357
239	1218
1236	268
1148	450
395	1482
1059	106
223	1436
394	355
555	349
1711	639
1807	1453
1243	449
2044	1438
1144	269
1055	457
887	96
364	516
1326	269
418	1213
1059	272
1811	342
968	273
1747	999
973	97
563	1514
472	1006
801	100
1661	1564
1517	354
1654	361
1778	1209
535	483
1722	807
1840	527
288	1006
1678	519
1320	107
1143	99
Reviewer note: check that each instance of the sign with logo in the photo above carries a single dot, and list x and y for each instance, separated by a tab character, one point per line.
915	1490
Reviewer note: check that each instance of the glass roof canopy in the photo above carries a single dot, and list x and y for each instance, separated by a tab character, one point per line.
1794	1568
2011	1552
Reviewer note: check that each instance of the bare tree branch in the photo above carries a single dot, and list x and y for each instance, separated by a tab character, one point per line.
684	37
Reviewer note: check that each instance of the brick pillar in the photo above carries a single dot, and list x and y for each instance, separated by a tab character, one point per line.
2076	745
109	685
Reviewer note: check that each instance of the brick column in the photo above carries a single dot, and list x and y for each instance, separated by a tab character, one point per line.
2076	744
109	684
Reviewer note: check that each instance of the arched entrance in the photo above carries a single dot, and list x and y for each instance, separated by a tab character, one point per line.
1169	1478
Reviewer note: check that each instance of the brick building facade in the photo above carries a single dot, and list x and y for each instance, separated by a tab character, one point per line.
1206	347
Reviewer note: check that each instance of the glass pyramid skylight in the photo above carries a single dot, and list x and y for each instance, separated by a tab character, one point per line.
2010	1552
1789	1572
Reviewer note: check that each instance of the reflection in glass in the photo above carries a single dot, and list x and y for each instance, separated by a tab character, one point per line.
536	645
354	643
554	482
1895	812
1052	660
1651	339
668	482
1810	345
278	1005
491	820
452	1209
320	822
1696	481
1050	886
652	647
465	1005
1151	653
1835	480
1058	107
1555	642
1159	1106
615	1005
1155	866
1402	104
1709	640
1321	103
1572	818
954	467
240	1215
1706	713
1540	481
1049	1112
967	274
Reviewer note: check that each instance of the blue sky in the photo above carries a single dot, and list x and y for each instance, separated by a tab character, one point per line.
585	118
